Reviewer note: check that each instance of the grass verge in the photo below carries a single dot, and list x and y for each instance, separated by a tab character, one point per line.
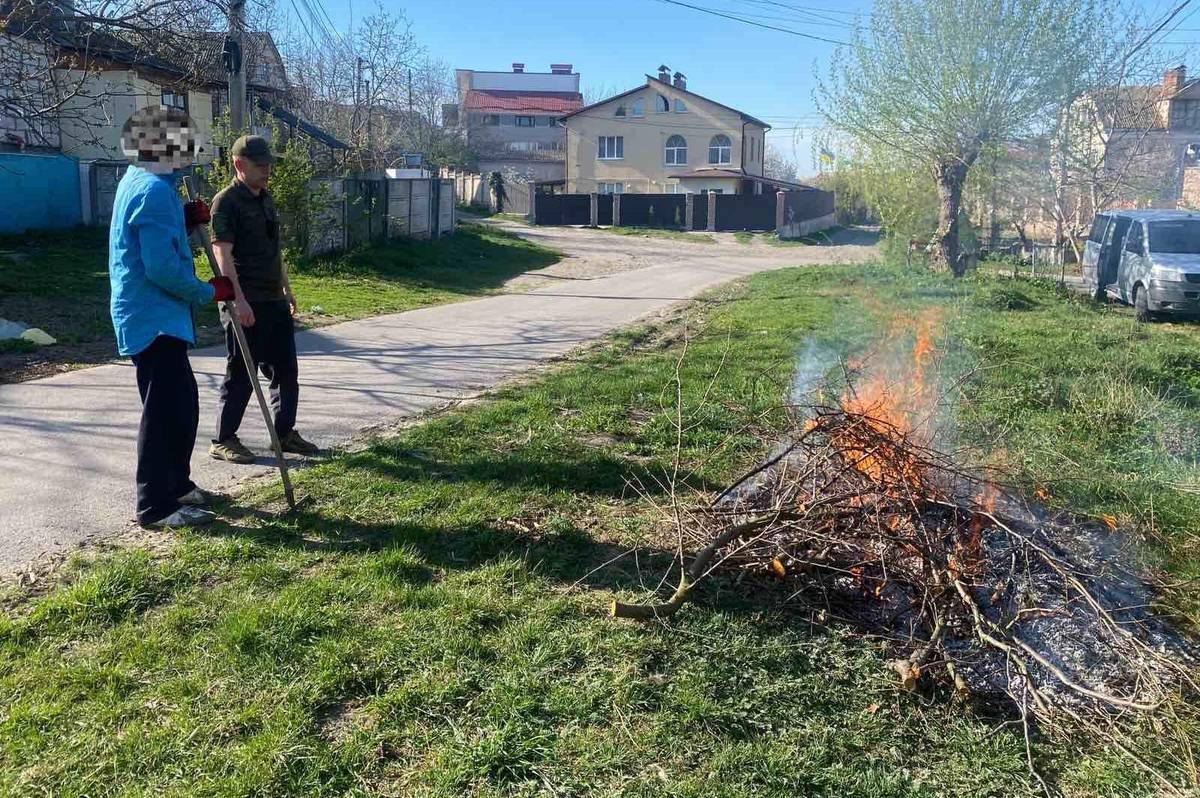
655	232
59	282
432	624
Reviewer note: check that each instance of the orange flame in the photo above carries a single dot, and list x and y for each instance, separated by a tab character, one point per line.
895	399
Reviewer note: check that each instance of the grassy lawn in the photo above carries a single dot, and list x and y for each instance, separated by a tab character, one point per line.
433	622
772	238
59	282
654	232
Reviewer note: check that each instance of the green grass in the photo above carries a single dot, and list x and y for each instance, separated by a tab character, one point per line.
655	232
772	238
400	276
433	622
59	281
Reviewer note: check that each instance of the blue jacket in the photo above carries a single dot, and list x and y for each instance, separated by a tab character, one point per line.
150	266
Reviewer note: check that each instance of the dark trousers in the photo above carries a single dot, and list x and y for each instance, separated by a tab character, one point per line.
272	340
167	433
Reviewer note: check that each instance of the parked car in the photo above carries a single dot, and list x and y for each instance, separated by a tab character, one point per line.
1148	259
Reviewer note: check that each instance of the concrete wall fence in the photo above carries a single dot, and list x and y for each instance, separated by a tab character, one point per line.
793	214
350	212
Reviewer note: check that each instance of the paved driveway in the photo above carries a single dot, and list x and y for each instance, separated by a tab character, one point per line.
67	442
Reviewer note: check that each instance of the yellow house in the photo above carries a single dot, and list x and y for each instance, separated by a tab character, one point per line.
660	138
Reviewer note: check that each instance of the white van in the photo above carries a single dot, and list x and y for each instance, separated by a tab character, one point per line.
1148	259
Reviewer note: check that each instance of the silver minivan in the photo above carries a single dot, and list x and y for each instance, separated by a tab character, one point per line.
1148	259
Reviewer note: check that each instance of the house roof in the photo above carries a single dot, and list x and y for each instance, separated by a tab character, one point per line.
741	174
550	102
258	49
651	80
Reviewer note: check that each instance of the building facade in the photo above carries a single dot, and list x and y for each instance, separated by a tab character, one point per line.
661	138
510	119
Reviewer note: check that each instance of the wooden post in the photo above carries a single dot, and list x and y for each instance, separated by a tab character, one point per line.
712	212
616	210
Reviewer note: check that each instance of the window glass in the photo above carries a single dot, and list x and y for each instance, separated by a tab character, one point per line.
639	108
1098	228
663	104
491	119
611	147
720	150
676	151
680	106
1181	235
620	110
1133	239
525	121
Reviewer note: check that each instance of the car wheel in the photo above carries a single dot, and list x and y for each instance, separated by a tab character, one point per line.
1141	304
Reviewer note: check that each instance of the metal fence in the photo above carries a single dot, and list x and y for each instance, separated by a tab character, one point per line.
808	212
745	212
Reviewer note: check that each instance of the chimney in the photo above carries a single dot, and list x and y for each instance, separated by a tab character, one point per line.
518	67
680	81
664	73
560	69
1174	79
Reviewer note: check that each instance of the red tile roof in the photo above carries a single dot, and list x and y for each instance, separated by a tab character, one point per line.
552	102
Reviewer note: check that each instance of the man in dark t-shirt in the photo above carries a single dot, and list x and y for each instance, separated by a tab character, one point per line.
245	226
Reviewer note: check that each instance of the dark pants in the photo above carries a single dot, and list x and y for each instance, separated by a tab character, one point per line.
167	433
272	341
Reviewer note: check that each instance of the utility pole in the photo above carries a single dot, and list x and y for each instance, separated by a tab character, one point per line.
367	91
235	67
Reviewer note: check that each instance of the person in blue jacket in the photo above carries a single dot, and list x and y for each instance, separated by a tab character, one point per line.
154	290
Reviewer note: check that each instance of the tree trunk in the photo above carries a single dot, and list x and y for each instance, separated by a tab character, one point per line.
951	176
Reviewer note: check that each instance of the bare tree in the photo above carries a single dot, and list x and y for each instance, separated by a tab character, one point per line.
938	80
52	51
778	165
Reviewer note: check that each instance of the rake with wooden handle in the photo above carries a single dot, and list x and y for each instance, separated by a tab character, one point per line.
230	309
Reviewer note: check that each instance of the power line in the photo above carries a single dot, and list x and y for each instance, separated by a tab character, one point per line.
745	21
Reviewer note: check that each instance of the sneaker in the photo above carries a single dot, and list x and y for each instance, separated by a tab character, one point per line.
184	516
292	442
198	497
231	450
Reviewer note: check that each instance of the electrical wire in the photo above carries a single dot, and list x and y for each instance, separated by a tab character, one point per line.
764	25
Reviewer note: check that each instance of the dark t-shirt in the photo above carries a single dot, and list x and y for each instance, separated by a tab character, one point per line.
251	224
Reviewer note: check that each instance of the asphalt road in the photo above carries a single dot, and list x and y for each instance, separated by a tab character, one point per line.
67	442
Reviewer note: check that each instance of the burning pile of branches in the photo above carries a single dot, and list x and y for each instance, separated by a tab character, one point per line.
866	522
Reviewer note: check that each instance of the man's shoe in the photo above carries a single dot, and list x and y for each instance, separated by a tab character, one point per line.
292	442
184	516
198	497
232	450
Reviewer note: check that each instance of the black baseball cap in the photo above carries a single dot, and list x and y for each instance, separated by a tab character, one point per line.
254	148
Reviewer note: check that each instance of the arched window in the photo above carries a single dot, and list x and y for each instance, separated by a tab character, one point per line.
676	151
664	104
720	149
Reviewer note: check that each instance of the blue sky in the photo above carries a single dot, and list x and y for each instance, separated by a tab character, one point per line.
614	43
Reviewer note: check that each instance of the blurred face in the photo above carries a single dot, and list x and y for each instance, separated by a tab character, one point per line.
159	140
254	175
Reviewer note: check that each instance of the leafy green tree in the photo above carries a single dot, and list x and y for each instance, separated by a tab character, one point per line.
499	191
937	81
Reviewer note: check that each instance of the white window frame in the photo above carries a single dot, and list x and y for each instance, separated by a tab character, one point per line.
177	97
671	153
610	148
532	121
721	149
609	187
